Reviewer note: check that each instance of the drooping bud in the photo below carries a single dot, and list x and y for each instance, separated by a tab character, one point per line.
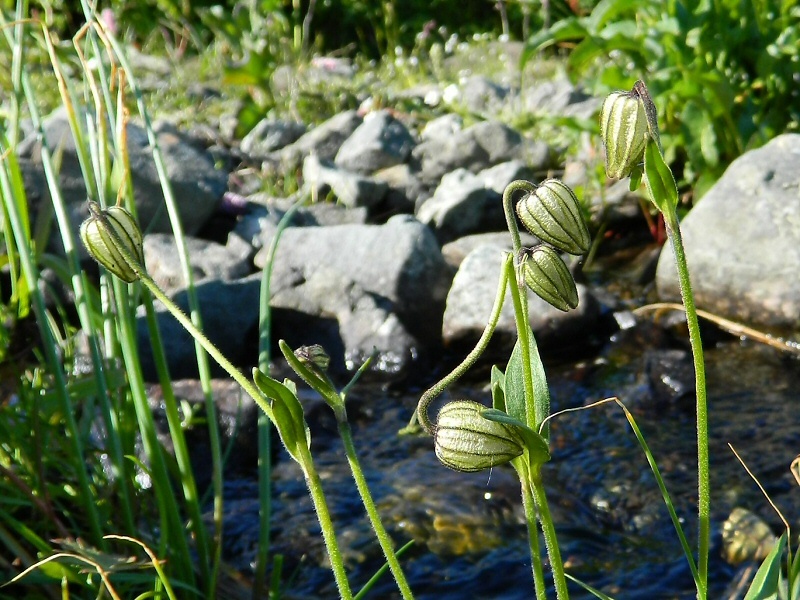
96	234
466	441
624	129
314	356
551	213
546	274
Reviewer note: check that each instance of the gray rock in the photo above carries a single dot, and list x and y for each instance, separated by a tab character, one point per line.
742	240
270	135
349	188
496	178
456	251
480	94
398	264
229	311
457	206
442	128
472	295
324	140
476	148
405	190
197	185
208	260
380	141
257	226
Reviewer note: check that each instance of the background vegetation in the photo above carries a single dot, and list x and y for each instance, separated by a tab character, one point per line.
723	73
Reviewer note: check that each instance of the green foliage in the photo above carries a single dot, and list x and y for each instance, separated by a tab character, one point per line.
722	72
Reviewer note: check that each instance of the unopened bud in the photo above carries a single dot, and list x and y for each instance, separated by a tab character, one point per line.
551	213
466	441
623	127
313	356
96	234
546	274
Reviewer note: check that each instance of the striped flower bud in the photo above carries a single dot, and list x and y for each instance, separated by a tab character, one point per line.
623	127
546	274
96	234
313	356
552	214
466	441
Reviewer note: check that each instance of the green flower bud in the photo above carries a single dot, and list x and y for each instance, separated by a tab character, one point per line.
623	127
313	356
466	441
104	248
546	274
552	214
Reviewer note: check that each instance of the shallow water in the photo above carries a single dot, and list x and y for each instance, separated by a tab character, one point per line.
615	534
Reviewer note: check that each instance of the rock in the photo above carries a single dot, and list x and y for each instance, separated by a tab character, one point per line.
457	207
456	251
472	295
742	240
229	311
321	272
380	141
351	189
483	145
405	190
480	94
496	178
442	128
269	135
209	260
257	226
197	185
324	140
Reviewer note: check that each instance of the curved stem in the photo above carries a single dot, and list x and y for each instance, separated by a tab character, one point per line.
703	486
326	525
466	364
549	531
372	512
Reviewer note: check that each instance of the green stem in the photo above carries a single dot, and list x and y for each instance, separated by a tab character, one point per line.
703	485
549	531
326	525
372	512
529	506
466	364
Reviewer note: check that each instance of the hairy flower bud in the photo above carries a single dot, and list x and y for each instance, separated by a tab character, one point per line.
466	441
99	241
546	274
313	356
552	214
623	127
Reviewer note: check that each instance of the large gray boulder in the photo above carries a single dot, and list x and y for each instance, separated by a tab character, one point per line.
472	295
392	275
742	240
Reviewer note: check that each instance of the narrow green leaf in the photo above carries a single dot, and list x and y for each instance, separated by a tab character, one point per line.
514	388
562	31
288	415
498	382
659	179
538	449
765	583
595	592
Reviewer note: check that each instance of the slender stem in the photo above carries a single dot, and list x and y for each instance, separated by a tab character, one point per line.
466	364
326	524
520	315
703	486
529	505
372	512
549	531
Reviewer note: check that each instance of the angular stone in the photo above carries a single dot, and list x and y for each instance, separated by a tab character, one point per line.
380	141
